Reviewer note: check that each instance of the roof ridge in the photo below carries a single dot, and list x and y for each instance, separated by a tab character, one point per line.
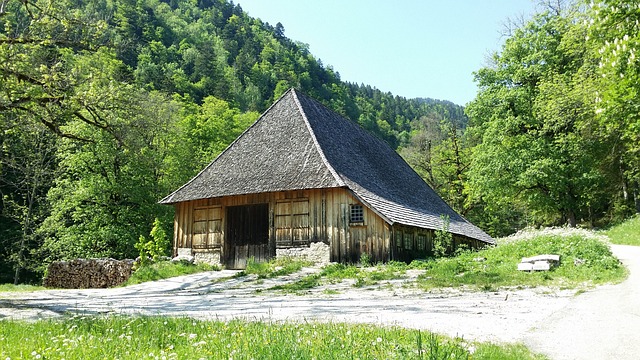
167	198
333	171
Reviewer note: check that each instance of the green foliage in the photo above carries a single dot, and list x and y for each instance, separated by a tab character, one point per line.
533	113
365	259
131	338
500	267
443	239
337	272
20	288
137	97
155	248
625	233
613	32
166	269
306	283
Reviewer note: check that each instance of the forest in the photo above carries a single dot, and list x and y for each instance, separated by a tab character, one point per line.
106	106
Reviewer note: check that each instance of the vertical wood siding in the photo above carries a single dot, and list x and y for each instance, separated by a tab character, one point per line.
296	218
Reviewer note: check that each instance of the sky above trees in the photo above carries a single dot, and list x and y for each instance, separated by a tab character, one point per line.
414	48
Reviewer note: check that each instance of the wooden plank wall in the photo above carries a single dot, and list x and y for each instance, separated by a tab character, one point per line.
328	221
406	241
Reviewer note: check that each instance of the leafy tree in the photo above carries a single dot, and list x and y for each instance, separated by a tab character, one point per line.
615	33
27	167
106	196
534	119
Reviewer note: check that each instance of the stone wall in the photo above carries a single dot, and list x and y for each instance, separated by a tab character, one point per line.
317	252
88	273
211	258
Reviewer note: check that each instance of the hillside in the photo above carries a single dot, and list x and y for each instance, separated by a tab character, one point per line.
108	105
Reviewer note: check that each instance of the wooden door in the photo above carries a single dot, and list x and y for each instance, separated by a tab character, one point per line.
247	235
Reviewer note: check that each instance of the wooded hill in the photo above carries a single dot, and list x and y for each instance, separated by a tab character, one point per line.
108	105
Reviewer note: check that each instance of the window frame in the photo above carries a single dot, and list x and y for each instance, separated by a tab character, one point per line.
356	214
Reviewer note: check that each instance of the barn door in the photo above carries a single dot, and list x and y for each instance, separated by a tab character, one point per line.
247	235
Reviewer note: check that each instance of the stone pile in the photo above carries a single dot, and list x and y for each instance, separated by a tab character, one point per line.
88	273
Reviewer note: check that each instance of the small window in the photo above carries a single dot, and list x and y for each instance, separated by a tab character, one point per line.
421	242
356	214
398	238
408	241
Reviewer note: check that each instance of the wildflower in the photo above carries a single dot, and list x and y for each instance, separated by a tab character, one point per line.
379	339
193	336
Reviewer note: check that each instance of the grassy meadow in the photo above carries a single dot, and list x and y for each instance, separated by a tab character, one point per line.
586	260
626	233
184	338
167	269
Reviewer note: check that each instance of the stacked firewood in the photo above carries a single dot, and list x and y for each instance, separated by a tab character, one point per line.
88	273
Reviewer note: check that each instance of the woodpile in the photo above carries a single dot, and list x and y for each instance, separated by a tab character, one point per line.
88	273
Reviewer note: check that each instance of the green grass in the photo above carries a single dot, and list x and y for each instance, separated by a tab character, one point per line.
626	233
184	338
166	269
20	288
276	267
336	272
500	267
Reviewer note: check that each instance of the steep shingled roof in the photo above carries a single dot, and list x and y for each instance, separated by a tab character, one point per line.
298	143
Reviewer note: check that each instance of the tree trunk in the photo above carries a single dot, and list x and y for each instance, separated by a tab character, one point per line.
571	216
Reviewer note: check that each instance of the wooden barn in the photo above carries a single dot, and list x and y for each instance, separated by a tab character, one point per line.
305	181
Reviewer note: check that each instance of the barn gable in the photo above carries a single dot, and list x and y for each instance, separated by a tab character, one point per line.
300	144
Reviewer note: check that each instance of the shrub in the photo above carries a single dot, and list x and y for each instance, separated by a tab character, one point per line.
155	248
443	240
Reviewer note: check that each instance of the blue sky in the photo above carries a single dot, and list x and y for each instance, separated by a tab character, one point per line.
417	48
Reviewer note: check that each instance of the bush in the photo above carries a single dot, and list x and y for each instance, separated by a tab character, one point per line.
153	249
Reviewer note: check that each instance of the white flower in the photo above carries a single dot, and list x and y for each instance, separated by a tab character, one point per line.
193	336
379	339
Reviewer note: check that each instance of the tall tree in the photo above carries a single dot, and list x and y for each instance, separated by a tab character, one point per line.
534	120
27	168
615	31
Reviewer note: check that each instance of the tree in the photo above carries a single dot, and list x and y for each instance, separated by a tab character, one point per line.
534	118
439	153
27	168
106	195
38	43
615	33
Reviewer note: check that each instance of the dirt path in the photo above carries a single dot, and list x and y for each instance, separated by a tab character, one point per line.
495	316
601	324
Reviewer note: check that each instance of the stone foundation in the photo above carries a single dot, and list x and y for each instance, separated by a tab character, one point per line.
211	258
317	252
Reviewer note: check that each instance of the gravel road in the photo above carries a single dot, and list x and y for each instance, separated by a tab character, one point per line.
600	324
603	323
